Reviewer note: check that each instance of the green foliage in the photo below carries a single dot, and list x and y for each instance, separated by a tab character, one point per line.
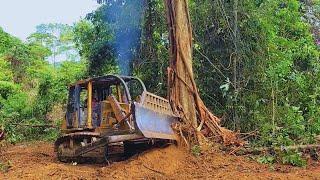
50	134
48	93
289	158
6	73
30	86
277	68
7	41
259	71
14	109
93	41
58	39
290	70
294	158
152	61
7	88
277	71
266	159
69	71
52	87
196	150
5	166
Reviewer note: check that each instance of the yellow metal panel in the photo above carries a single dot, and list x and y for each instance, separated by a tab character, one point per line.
108	116
119	94
89	105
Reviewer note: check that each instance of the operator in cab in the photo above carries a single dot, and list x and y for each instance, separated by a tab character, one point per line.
96	120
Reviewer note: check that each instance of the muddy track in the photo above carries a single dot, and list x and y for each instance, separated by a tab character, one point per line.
38	161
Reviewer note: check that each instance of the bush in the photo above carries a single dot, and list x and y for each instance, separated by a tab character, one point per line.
14	110
294	158
7	88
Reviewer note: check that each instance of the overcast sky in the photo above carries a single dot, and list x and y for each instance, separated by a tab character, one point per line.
20	18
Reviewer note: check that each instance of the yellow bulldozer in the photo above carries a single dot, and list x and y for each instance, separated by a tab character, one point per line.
111	112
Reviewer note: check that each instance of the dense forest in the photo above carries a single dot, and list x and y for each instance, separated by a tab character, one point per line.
256	65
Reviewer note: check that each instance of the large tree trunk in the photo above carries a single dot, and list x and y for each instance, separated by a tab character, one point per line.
183	94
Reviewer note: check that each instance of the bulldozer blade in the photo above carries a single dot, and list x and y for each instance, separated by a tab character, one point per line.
153	124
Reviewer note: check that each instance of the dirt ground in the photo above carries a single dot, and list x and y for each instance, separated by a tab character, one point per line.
38	161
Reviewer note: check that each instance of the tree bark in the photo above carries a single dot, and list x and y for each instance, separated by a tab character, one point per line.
185	100
180	83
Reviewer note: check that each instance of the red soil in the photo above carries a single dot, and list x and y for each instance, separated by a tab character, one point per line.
38	161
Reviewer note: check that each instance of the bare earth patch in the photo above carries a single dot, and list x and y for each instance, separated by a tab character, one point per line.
38	161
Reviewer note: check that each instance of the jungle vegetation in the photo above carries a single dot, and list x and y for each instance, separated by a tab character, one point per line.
256	64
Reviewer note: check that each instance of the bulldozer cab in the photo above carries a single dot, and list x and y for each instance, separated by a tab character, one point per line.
102	102
108	111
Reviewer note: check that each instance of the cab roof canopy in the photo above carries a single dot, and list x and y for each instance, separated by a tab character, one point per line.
106	79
